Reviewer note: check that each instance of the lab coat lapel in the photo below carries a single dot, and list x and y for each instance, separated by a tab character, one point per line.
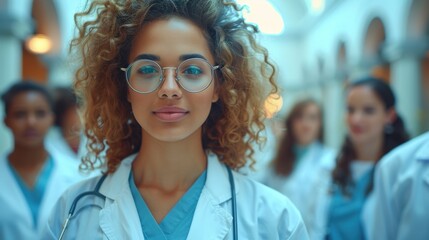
423	157
119	218
13	193
211	220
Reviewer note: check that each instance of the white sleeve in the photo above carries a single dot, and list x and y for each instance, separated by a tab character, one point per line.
384	221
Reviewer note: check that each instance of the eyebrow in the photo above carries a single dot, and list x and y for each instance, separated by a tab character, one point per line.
157	58
147	57
193	55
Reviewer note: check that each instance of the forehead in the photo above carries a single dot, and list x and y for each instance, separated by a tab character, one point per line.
28	99
169	39
363	95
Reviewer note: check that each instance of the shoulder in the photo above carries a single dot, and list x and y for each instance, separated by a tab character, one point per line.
270	207
411	151
327	155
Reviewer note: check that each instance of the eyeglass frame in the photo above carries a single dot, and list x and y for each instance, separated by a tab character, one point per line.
212	68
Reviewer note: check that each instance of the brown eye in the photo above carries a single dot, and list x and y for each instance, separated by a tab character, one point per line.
20	114
41	113
369	110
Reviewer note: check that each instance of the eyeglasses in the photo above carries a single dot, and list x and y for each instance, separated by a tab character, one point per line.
145	76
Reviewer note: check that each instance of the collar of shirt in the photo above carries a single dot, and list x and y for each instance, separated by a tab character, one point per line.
423	153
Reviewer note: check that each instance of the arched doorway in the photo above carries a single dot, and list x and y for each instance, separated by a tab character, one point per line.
373	44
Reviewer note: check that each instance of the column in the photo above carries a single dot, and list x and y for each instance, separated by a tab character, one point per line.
333	112
406	83
12	31
406	75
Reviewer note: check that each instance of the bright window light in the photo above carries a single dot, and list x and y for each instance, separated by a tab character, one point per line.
273	104
39	44
263	14
316	6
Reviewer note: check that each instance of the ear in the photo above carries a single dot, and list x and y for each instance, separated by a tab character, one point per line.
128	96
53	118
390	116
215	96
6	121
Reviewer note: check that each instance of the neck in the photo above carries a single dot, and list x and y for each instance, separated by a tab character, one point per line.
24	157
169	166
369	151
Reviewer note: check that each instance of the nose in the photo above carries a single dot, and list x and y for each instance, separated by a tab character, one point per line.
31	120
169	87
356	117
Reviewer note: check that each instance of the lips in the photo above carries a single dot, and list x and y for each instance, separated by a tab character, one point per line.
30	133
356	130
170	114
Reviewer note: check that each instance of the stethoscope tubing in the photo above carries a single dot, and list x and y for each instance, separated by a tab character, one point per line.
96	192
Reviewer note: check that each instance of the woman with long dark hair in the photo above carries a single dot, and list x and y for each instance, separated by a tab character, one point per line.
374	128
302	165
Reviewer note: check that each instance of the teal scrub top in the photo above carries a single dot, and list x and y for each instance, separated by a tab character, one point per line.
34	196
344	220
177	222
300	152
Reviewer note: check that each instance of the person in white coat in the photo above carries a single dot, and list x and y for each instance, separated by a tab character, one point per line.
66	135
398	208
301	169
32	176
170	89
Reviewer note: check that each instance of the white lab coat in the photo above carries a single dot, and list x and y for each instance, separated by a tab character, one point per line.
307	185
16	221
262	212
398	208
56	144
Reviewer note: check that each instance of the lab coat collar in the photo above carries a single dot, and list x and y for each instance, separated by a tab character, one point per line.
423	153
208	210
115	183
217	182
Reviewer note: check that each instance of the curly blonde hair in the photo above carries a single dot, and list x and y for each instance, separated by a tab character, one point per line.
245	80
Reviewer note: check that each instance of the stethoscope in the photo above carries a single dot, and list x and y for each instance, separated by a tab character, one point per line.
96	193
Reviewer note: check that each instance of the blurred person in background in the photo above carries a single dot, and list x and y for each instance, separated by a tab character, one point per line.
66	136
374	128
301	169
399	208
31	176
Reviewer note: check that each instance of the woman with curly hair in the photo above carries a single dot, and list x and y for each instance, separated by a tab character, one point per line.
374	128
173	89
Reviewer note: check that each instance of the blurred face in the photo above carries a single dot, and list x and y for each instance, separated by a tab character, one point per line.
306	127
71	128
366	115
29	118
171	113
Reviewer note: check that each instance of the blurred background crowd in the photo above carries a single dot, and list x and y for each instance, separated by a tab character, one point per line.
354	84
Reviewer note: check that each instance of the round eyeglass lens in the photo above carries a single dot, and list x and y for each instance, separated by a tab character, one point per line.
144	76
194	75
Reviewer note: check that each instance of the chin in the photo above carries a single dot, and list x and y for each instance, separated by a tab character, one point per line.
359	138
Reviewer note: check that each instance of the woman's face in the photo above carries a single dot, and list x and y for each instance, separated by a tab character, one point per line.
170	113
71	127
306	127
29	117
366	115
